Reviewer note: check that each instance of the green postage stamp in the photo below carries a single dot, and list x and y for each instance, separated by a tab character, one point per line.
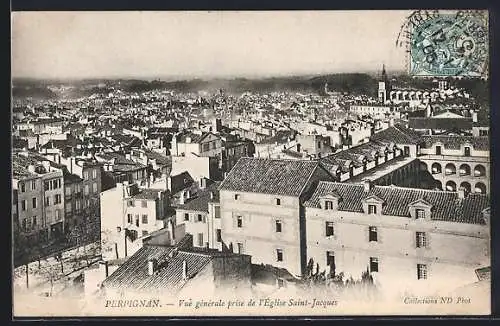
447	43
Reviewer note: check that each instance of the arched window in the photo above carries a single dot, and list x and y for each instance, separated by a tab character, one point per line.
438	185
479	171
466	186
480	188
464	169
451	186
450	169
436	168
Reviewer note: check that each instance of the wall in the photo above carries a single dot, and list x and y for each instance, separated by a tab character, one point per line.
258	234
454	250
197	167
194	227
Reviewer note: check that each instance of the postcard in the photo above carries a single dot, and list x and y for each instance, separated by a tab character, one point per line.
251	163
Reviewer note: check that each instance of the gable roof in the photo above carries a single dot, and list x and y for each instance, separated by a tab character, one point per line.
397	134
446	206
200	202
269	176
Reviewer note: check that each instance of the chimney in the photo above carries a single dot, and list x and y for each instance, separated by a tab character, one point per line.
474	116
188	140
169	181
211	195
127	156
184	270
367	184
203	183
106	268
461	193
181	198
31	168
152	266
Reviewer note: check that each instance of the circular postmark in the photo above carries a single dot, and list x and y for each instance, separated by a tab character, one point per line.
449	45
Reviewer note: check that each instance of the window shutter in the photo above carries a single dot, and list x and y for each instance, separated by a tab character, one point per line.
367	234
414	237
380	237
204	218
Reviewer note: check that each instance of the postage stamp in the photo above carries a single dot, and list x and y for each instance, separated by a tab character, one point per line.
445	44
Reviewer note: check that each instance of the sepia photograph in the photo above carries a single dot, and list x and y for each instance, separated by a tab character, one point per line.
250	163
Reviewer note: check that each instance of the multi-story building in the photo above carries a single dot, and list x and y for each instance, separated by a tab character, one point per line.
442	237
261	209
457	161
40	197
201	216
128	214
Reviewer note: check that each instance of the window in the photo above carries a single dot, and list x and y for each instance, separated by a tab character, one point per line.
421	239
129	219
328	204
420	213
144	233
330	258
22	185
483	132
329	229
406	150
217	211
68	191
46	185
278	226
236	197
438	150
86	175
372	234
78	204
23	205
240	247
186	217
33	185
28	224
467	151
373	264
47	201
130	203
57	199
144	219
34	202
58	215
200	218
279	255
278	201
421	271
94	187
372	209
86	190
24	224
239	221
136	219
219	235
34	221
144	203
94	173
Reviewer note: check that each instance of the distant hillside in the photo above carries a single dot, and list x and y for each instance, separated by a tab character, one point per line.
353	83
37	92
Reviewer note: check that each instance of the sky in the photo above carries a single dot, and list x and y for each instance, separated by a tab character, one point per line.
200	44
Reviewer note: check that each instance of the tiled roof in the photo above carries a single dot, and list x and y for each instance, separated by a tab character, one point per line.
149	194
180	182
397	134
200	202
447	206
133	274
454	142
269	176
